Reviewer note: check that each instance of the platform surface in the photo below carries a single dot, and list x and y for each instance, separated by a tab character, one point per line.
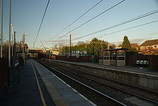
38	86
132	69
61	92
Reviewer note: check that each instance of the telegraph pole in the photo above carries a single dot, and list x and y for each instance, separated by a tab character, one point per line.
12	42
1	28
70	46
44	49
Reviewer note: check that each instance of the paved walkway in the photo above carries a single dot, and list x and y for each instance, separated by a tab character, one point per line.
61	93
26	92
39	87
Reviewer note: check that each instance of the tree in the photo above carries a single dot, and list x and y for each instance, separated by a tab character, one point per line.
95	44
18	48
112	46
126	43
80	42
65	49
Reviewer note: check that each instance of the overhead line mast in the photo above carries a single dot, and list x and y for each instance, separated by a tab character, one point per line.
1	28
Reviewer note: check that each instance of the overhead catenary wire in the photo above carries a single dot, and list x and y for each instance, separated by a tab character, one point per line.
79	17
56	40
131	27
93	18
41	22
43	46
125	22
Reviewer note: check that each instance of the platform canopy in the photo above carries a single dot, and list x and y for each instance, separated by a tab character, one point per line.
116	57
114	49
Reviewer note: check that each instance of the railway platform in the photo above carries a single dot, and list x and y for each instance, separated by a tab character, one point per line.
132	69
132	75
39	87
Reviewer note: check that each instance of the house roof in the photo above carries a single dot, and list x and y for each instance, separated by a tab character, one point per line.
134	45
150	42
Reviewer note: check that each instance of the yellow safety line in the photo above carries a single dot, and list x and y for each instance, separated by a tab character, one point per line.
39	88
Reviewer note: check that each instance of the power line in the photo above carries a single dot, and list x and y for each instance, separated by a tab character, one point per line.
125	22
79	17
132	27
55	40
41	22
94	17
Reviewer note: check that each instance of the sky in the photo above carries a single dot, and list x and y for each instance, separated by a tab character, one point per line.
111	26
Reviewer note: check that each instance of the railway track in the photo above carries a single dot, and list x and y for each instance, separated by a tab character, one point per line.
97	84
141	92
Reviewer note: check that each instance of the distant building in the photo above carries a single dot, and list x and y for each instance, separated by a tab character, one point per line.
118	47
149	44
55	51
36	53
149	47
135	45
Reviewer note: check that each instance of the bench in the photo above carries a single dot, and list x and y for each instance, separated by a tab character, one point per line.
142	63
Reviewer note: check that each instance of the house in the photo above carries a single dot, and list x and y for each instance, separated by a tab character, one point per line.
149	47
55	51
135	45
149	44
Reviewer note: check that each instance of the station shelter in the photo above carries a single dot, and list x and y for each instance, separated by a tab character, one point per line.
113	57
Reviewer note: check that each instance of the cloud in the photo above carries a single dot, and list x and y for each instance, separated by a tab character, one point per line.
154	33
138	40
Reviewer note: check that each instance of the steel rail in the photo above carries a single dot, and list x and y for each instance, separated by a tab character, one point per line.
103	94
134	87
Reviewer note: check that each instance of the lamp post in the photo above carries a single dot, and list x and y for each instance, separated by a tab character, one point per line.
10	73
1	28
10	12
